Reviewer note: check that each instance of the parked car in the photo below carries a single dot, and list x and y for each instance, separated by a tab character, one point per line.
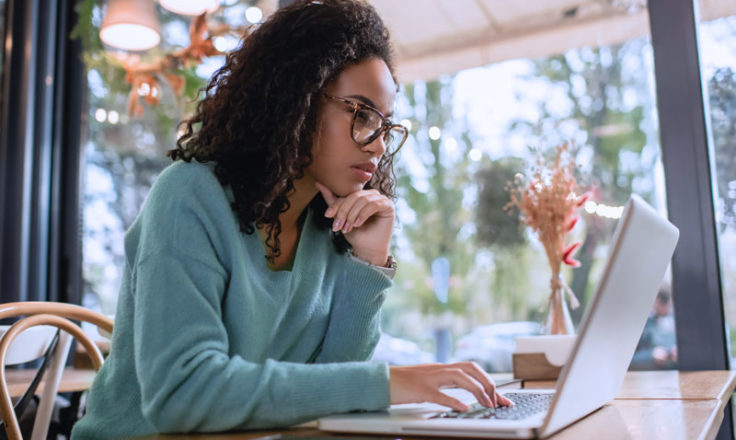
491	346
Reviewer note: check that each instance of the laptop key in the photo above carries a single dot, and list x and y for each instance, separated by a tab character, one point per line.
525	405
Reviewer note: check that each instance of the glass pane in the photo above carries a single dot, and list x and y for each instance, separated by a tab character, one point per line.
717	40
480	280
124	153
717	48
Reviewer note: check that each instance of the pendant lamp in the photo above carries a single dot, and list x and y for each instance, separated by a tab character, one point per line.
190	7
130	25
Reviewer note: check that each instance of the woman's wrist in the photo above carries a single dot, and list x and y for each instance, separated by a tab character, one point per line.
379	259
388	268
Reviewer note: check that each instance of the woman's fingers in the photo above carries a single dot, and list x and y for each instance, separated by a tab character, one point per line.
353	210
422	383
351	215
477	373
364	214
445	400
461	379
381	206
503	400
360	214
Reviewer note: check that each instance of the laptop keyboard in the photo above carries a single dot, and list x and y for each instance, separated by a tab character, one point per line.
525	405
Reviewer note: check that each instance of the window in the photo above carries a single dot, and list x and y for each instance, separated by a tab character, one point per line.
717	50
480	280
123	155
718	67
470	134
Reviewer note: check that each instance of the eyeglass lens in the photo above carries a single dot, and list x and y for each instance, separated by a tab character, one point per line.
367	122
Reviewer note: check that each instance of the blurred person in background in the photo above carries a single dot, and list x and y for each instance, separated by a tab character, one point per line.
657	349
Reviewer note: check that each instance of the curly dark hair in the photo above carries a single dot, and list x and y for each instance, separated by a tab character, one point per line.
260	109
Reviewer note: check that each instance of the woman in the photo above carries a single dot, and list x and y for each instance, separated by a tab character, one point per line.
288	157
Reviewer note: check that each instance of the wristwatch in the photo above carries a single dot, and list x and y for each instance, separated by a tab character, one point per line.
391	263
389	269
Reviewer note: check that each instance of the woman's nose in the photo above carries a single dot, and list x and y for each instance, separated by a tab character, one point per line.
378	146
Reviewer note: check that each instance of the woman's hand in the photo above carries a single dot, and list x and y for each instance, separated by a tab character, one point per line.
366	219
422	383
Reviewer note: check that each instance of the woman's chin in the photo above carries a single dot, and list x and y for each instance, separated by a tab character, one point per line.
346	190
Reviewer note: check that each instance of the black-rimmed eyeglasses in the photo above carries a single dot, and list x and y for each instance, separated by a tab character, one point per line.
368	123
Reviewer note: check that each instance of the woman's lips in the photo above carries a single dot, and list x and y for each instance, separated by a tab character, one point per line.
362	175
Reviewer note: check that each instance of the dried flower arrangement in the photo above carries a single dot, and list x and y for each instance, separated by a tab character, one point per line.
547	200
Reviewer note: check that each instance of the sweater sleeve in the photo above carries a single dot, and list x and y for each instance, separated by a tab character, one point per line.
355	318
189	381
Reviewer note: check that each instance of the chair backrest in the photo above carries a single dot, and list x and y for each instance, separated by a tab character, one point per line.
40	345
39	315
29	345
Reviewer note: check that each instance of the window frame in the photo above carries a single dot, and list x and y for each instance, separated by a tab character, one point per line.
42	85
688	168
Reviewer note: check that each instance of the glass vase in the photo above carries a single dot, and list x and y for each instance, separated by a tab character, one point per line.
558	321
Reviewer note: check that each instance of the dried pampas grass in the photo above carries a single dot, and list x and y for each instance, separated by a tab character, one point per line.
548	199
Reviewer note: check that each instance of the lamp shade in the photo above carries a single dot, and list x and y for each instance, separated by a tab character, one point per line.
190	7
130	25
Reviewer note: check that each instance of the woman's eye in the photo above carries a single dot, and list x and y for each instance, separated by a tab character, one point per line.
363	115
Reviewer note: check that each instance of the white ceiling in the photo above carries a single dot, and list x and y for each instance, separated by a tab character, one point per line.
434	37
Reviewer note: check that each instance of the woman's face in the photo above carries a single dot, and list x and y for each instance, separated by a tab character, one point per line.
339	162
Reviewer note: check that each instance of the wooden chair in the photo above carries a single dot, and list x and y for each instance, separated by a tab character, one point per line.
38	345
57	315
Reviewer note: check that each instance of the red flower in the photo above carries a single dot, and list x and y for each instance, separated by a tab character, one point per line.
567	255
583	198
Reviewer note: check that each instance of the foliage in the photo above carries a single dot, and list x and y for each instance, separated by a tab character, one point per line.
123	158
456	208
722	100
86	30
612	128
497	226
112	65
439	209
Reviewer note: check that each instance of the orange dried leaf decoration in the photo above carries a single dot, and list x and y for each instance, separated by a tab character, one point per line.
177	82
149	75
199	46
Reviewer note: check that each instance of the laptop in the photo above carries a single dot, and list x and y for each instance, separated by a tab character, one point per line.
641	249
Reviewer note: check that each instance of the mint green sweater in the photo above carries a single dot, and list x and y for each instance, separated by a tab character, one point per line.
208	338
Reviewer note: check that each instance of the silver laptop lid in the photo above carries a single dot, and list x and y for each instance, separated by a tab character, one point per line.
641	249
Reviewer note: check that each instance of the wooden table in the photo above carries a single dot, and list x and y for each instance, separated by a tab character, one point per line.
72	379
690	385
650	405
